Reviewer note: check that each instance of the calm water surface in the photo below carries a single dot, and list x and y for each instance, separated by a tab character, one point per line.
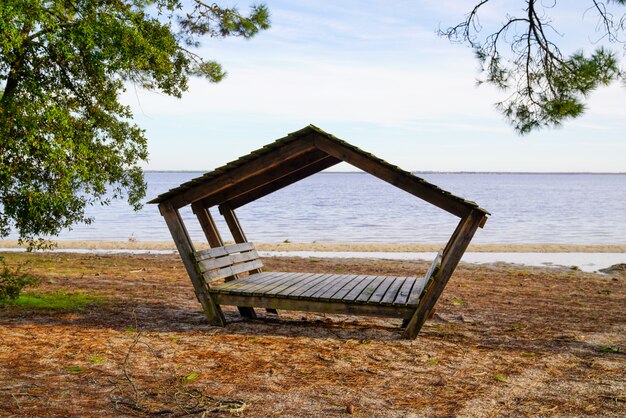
356	207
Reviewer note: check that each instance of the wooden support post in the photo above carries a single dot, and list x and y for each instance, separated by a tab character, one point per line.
235	227
451	256
237	232
185	248
208	225
215	240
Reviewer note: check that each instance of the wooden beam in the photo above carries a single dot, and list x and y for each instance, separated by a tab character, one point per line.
208	225
390	175
233	224
309	305
451	256
281	182
215	240
185	248
239	236
285	168
251	168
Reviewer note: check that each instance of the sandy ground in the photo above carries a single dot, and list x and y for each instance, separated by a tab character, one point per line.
342	247
505	341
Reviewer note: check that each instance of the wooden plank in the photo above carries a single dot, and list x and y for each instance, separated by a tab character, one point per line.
208	225
452	255
281	182
369	290
321	287
405	291
287	289
235	228
232	270
237	232
233	224
416	291
275	288
337	282
358	288
421	284
377	296
257	278
338	286
185	250
439	198
284	168
244	281
222	251
215	263
251	168
215	240
392	291
308	305
434	266
341	293
268	286
309	284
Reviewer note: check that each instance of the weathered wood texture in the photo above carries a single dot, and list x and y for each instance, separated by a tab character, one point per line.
328	293
451	256
213	236
252	168
316	305
208	225
232	260
284	181
265	177
185	249
387	296
385	173
240	237
277	165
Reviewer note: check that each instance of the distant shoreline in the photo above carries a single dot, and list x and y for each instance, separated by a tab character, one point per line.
340	247
432	172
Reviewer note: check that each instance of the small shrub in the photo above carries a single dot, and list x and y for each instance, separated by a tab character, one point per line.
12	281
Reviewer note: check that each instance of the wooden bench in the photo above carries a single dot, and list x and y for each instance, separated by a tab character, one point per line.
245	285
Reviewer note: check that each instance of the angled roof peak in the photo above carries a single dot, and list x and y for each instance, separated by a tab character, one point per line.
292	158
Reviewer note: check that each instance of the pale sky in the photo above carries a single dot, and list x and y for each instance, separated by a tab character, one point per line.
375	74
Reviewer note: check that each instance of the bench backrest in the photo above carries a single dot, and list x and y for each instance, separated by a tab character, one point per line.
228	261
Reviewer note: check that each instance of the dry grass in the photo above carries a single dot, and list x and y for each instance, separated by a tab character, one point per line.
505	341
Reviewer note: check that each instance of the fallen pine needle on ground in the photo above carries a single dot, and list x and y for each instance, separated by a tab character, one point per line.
505	340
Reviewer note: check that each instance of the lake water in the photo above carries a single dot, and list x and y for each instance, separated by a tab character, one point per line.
356	207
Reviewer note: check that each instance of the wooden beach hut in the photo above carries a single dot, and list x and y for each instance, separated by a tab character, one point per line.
233	274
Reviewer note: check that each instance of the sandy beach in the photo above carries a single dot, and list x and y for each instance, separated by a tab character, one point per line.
341	247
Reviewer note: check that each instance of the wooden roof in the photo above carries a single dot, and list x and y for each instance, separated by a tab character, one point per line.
293	158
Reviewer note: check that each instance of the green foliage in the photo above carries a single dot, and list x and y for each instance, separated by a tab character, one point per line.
191	377
96	359
55	301
12	281
609	349
544	87
66	142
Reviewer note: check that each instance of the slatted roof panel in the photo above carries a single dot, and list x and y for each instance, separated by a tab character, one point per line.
225	170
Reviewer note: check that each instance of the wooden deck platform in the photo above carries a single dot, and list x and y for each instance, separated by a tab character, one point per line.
387	296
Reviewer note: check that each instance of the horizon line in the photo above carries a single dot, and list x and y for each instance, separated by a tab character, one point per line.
429	172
